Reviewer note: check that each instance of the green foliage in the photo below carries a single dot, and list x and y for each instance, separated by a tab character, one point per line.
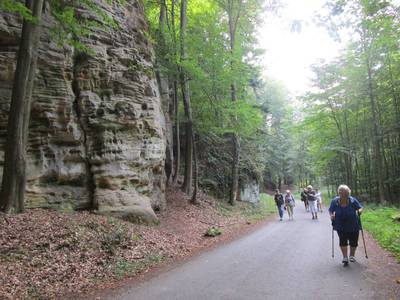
260	211
123	266
212	68
14	6
251	212
381	222
354	107
112	240
73	25
213	231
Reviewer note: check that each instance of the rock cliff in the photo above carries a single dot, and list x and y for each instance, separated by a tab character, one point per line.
96	136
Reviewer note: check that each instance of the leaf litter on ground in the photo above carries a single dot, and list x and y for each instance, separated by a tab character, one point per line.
47	254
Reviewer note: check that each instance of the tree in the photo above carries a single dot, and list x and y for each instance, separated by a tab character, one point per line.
70	27
190	153
357	101
215	117
235	10
14	177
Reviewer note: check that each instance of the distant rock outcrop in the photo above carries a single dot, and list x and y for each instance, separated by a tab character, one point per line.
250	192
96	135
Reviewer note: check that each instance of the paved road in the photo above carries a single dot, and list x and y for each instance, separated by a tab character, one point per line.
283	260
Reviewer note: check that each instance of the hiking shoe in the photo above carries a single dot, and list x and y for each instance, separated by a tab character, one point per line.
345	260
352	259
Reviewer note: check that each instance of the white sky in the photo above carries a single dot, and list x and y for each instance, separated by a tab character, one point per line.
289	54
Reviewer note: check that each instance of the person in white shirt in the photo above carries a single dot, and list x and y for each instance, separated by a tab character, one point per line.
318	195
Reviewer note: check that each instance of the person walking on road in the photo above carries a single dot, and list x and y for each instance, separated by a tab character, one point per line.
278	197
312	201
289	203
303	197
345	211
318	195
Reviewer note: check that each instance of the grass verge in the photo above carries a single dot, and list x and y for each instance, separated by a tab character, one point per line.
251	212
384	225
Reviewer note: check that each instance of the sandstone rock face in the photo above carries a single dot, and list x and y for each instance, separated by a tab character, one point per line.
96	135
250	192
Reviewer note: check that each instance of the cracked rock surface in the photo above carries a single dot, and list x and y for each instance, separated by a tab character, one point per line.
96	135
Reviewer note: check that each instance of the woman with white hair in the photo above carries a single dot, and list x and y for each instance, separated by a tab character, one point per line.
312	201
345	211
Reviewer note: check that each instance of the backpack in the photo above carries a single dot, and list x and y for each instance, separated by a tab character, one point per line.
289	198
279	199
303	196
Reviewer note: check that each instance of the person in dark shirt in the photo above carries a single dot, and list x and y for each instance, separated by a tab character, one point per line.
345	211
278	197
303	197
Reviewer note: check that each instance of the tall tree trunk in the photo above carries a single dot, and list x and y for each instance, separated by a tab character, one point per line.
164	90
177	137
14	172
190	144
232	20
195	172
349	159
376	134
176	101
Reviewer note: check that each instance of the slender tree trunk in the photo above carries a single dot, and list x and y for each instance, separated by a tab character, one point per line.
176	101
235	138
164	90
349	158
356	170
190	145
177	137
14	172
235	169
195	172
376	135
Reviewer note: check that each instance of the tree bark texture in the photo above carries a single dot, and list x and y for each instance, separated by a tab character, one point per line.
189	136
176	102
164	91
233	20
14	172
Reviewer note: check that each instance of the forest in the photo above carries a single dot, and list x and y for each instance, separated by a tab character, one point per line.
163	113
228	124
244	124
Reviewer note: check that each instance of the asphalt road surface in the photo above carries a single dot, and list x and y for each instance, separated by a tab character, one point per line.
283	260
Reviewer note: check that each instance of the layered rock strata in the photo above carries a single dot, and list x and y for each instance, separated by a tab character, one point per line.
96	135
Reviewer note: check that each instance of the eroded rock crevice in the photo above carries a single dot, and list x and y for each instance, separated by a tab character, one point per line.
97	131
90	184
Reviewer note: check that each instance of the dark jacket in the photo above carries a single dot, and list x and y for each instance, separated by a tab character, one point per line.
278	199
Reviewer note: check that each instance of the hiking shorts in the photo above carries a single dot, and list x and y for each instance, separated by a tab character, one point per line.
313	206
346	237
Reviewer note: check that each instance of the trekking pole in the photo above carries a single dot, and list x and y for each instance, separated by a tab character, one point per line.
333	251
333	246
362	234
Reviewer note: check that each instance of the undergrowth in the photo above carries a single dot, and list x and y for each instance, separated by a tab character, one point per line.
252	212
383	223
123	266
